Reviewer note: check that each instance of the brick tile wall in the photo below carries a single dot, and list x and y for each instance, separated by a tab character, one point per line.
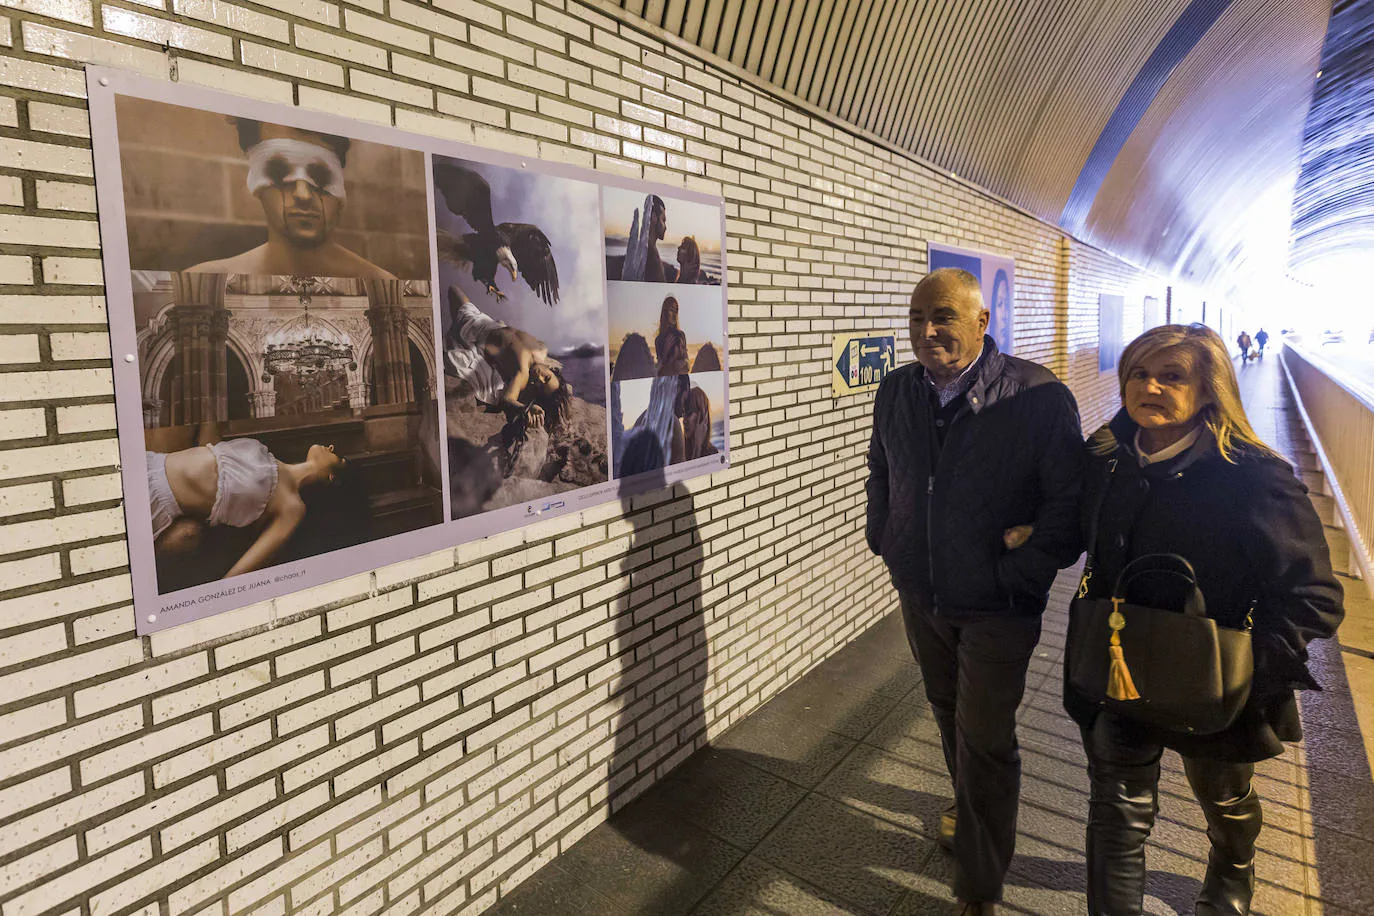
428	734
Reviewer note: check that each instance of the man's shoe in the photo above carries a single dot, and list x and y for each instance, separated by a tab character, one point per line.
976	909
944	835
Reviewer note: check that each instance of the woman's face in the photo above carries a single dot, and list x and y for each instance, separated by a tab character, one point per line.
1164	390
670	313
323	457
695	425
544	379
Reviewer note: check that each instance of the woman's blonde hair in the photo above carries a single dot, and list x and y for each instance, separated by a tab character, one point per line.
664	323
1223	414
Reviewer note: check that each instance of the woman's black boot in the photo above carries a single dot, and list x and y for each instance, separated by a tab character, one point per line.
1120	816
1232	826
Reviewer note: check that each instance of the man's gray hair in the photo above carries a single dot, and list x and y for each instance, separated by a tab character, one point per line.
947	277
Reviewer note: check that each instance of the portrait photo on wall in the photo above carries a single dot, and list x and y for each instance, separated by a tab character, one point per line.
665	420
657	239
524	329
284	417
211	193
657	331
996	275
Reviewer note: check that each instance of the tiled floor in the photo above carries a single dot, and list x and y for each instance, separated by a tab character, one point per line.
826	799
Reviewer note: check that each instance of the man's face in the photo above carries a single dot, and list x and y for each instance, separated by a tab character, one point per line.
947	328
296	205
658	223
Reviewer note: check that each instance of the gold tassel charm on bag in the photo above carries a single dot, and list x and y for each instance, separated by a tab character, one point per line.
1119	683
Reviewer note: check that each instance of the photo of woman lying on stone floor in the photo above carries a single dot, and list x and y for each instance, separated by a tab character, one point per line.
658	334
524	322
284	418
518	429
666	420
237	484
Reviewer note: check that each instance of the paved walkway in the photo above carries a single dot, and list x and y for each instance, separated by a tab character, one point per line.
826	799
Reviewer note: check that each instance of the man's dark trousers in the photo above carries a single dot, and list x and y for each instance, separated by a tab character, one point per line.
974	670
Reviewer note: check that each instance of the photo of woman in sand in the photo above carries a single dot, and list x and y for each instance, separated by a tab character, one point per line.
655	333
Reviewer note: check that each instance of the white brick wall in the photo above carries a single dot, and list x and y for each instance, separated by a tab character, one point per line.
426	735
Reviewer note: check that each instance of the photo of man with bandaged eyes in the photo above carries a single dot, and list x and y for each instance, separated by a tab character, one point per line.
206	192
298	178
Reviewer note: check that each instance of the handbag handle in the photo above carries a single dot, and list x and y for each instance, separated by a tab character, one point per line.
1170	564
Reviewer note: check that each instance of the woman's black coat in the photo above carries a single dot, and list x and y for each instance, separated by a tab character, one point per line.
1254	541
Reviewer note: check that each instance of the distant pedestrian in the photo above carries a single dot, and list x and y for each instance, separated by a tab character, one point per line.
1244	342
1261	339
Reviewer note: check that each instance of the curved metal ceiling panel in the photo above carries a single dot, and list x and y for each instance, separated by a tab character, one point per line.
1015	95
1200	16
1203	186
1333	210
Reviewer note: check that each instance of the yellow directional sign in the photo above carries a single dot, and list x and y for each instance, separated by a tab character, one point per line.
859	362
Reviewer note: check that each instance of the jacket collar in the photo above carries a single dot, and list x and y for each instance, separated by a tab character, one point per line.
989	367
1123	429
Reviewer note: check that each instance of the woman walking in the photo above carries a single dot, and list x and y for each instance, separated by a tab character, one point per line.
1180	471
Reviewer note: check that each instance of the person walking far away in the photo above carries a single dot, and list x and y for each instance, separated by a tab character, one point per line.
974	479
1243	341
1261	338
1180	472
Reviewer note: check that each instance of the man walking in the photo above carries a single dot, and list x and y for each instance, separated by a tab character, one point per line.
973	504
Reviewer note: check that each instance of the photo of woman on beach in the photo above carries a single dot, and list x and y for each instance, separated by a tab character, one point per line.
661	332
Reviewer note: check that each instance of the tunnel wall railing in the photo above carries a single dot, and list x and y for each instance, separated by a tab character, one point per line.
1339	415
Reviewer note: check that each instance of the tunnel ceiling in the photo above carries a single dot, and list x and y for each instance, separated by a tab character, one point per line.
1165	131
1333	211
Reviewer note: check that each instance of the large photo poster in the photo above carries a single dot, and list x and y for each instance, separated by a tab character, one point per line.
280	286
338	345
997	277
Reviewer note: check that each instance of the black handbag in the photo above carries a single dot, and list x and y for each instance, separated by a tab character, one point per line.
1172	668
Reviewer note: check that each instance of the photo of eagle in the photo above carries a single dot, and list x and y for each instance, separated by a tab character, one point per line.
523	249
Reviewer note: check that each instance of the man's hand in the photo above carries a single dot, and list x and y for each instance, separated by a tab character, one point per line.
535	417
1015	537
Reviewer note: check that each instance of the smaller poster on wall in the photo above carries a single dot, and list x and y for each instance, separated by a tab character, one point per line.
1110	324
859	362
1154	312
524	334
666	331
997	277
